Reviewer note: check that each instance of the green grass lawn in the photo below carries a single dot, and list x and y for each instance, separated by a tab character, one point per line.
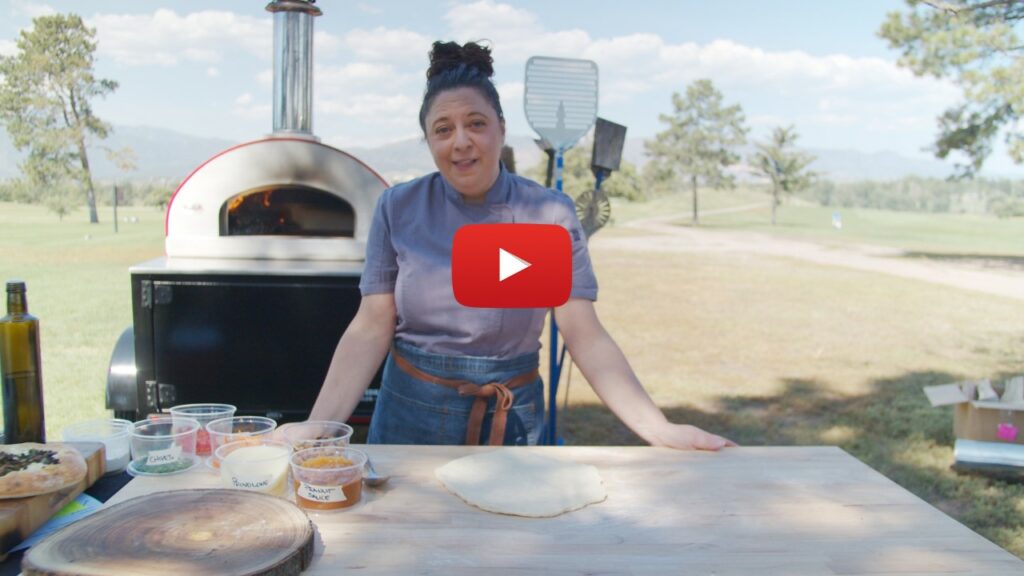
78	287
926	235
763	350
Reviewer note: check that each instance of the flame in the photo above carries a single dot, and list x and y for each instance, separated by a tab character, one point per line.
235	202
263	198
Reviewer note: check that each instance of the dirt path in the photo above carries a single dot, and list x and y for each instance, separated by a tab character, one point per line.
671	238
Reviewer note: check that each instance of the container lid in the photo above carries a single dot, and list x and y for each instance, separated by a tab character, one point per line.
16	286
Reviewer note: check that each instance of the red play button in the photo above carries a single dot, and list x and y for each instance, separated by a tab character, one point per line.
512	265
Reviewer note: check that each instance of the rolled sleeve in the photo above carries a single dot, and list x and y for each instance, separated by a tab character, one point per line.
381	270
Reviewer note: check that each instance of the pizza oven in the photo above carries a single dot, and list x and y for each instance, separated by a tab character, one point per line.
264	246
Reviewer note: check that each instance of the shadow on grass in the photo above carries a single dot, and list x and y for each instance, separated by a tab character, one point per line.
892	428
993	261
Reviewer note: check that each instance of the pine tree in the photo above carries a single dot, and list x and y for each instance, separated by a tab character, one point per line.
45	97
698	145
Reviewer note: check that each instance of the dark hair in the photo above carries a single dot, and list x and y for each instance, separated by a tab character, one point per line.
453	66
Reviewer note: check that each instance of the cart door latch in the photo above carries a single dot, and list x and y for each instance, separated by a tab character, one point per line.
168	394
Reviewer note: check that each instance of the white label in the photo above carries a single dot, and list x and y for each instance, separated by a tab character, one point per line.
157	457
321	493
251	482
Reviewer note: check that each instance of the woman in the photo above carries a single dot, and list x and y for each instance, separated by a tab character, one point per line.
455	374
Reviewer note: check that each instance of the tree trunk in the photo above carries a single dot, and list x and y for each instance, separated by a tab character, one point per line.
90	193
693	181
775	202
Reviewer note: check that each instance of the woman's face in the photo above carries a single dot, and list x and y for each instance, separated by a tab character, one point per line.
465	137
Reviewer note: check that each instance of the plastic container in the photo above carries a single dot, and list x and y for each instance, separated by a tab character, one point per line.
261	467
236	429
204	414
162	446
114	433
317	433
328	477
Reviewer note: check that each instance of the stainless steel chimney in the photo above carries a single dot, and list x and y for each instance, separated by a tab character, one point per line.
293	66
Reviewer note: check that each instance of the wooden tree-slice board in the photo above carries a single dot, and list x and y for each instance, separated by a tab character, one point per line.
181	532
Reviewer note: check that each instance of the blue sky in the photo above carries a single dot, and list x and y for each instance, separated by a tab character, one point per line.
203	68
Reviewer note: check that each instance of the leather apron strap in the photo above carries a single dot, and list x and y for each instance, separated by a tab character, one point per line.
503	391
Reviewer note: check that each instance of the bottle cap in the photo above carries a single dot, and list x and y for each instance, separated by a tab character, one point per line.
16	286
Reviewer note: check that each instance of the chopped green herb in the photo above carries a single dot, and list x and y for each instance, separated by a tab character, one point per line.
14	462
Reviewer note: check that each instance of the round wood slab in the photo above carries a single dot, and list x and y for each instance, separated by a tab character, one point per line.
181	532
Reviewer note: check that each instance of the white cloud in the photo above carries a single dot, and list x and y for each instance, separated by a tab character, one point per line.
511	93
246	107
397	109
159	38
396	45
31	9
212	72
480	18
266	77
8	48
368	8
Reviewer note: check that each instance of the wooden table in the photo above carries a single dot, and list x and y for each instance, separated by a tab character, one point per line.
790	511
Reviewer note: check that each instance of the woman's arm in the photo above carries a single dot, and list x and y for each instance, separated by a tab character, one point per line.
356	359
608	372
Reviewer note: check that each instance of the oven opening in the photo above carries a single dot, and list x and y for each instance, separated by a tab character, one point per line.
287	210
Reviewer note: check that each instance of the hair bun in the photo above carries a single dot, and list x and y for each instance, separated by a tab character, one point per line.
445	56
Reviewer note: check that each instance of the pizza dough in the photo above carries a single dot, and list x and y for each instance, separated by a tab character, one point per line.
30	469
521	482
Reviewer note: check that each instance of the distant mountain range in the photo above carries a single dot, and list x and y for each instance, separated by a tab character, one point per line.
168	155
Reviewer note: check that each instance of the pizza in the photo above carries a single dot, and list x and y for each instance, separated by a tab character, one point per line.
30	469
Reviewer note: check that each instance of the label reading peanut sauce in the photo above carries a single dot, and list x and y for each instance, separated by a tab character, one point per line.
325	494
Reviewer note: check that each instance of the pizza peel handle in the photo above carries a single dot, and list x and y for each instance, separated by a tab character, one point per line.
181	532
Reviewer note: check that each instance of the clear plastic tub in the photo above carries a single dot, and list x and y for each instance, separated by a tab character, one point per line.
317	433
236	429
162	446
261	467
204	414
328	477
114	433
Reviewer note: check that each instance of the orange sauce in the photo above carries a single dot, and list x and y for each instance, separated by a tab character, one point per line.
327	462
352	490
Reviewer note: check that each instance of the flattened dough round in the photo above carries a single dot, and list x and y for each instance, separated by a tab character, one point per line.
521	482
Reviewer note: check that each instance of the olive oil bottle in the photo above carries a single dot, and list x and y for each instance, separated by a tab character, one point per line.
20	368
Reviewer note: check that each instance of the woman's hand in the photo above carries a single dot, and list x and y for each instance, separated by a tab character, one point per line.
686	437
609	374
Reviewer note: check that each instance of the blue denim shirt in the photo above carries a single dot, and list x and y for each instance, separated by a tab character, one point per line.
409	253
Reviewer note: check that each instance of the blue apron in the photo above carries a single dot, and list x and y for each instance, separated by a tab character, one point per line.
414	411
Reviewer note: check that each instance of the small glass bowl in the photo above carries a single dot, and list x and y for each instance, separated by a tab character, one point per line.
114	433
317	433
319	484
236	429
261	467
204	414
162	445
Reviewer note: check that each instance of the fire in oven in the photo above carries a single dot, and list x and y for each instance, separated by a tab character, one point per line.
264	248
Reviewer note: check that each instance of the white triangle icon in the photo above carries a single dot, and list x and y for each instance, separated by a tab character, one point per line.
509	265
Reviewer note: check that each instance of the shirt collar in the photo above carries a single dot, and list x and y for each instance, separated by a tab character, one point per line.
498	193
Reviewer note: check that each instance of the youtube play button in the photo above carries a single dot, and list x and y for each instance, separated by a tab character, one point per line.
512	265
509	264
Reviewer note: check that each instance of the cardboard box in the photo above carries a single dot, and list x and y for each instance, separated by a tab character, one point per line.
997	418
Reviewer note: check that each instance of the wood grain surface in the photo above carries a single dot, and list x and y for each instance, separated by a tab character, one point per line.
224	532
765	511
20	517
